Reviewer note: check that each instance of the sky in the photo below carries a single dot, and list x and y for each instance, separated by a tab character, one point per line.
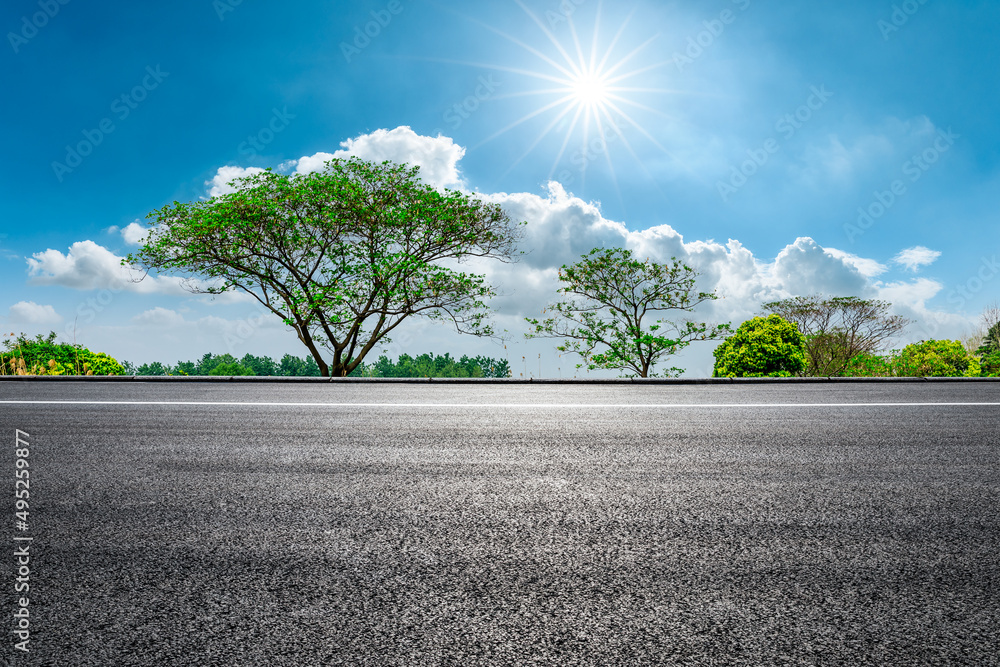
780	149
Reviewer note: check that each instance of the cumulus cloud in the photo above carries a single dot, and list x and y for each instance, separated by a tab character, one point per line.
562	227
135	233
916	257
29	312
89	266
219	185
437	158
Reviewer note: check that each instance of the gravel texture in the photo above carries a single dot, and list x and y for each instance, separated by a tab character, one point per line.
496	535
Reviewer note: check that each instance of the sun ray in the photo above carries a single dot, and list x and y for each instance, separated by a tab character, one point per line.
631	54
607	157
639	128
530	49
614	42
524	119
548	33
628	147
538	139
639	105
565	143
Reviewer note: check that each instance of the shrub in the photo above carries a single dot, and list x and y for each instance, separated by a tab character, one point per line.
937	358
990	365
230	368
44	356
762	347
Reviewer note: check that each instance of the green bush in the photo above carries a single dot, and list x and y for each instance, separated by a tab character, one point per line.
762	347
231	368
990	365
44	356
938	358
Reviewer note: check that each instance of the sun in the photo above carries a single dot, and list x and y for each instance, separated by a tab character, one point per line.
590	93
590	90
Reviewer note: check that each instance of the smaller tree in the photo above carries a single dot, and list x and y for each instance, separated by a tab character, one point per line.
991	341
938	358
762	347
838	329
609	326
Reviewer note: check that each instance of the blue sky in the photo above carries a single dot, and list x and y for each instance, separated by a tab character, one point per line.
838	148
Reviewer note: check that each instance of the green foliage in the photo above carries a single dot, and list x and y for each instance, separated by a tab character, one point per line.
230	368
991	341
42	355
343	255
873	365
294	367
606	327
838	329
932	358
427	365
761	347
990	365
153	369
938	358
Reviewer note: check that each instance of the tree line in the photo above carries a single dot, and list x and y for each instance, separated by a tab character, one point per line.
345	255
42	355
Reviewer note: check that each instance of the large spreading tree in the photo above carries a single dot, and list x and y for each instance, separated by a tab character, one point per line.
343	255
609	318
838	329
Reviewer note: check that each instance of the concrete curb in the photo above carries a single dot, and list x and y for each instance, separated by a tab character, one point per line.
612	381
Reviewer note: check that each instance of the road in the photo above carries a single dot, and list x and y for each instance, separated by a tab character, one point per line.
435	524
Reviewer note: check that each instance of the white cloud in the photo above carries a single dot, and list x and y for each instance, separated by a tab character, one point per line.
437	158
220	182
89	266
869	268
916	257
135	233
29	312
159	317
311	163
562	227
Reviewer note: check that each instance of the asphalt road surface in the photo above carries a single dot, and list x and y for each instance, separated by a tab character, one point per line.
434	524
